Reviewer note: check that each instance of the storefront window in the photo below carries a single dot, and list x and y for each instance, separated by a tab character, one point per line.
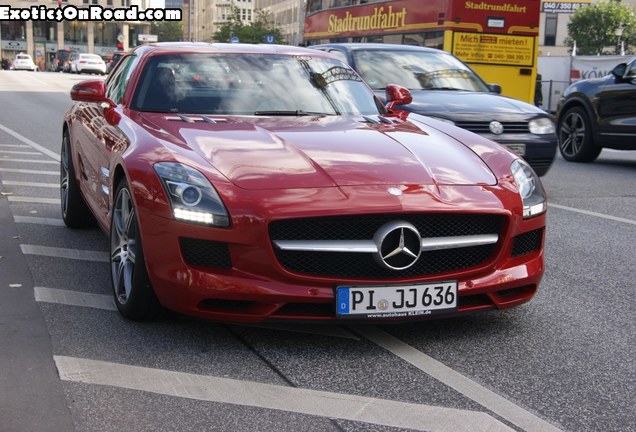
44	30
13	30
106	34
75	32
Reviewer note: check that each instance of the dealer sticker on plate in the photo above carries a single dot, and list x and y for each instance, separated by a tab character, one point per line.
395	301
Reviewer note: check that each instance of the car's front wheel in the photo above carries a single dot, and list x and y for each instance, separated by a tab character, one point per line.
576	143
134	296
75	212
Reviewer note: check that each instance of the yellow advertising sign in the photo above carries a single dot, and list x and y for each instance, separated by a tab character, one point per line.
495	49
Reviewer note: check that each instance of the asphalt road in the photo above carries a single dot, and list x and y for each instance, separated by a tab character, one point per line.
69	362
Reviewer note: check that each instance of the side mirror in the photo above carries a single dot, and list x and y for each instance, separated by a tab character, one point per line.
619	70
90	91
397	95
495	88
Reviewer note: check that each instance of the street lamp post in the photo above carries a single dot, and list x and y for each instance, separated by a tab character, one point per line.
619	33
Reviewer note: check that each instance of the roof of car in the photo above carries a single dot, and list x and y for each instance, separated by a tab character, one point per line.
352	46
203	47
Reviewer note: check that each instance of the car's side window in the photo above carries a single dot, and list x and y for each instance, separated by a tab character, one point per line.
116	85
631	72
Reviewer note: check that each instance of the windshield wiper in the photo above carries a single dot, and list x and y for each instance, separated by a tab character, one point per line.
297	113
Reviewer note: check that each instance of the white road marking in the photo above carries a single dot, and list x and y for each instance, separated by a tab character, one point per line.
34	200
76	254
20	152
14	145
276	397
27	171
34	161
591	213
30	143
31	184
488	399
74	298
38	220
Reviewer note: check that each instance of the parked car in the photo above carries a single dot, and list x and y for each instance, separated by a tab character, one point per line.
62	58
24	62
444	87
88	63
286	191
113	59
598	113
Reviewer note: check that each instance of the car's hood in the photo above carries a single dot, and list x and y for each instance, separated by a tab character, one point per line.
284	152
451	103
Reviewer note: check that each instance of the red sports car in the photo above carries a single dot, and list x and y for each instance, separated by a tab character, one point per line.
249	183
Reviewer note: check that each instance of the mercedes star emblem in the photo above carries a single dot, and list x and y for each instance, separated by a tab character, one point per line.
399	245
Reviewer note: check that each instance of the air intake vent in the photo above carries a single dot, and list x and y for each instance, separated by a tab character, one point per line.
205	253
527	243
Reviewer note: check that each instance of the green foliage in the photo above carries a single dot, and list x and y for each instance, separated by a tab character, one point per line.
593	28
167	31
254	32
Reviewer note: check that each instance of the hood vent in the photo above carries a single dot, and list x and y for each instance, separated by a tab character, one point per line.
194	119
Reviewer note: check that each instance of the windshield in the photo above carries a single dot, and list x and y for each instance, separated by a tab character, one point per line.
252	84
416	70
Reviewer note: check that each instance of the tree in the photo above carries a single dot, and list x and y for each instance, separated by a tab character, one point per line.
167	31
255	32
593	28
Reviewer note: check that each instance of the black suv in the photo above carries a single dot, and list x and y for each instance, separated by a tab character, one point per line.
62	60
597	113
113	60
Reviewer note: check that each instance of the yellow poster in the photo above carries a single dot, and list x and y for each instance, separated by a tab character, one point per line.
495	49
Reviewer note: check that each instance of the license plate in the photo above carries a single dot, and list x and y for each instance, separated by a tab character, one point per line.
518	149
395	301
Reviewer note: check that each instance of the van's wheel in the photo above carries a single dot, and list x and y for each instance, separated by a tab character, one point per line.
575	136
75	212
134	296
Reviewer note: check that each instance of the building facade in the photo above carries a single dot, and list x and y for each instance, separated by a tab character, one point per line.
553	29
41	39
288	16
202	18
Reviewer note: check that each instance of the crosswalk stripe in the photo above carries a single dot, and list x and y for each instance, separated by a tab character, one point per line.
76	254
254	394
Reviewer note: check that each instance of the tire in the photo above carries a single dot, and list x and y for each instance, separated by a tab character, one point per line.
575	136
134	296
75	212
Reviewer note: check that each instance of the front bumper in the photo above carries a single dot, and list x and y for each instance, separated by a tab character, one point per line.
241	280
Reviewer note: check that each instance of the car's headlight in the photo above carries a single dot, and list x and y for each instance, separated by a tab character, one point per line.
541	126
191	196
530	189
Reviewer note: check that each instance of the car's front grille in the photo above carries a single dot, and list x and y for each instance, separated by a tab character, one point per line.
364	265
483	127
205	253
